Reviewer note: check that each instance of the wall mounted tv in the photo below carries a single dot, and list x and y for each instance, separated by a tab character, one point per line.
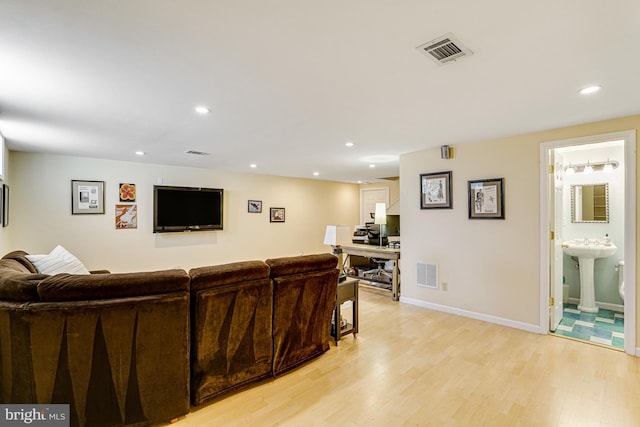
186	209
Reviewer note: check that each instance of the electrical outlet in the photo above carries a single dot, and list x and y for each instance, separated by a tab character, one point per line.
445	286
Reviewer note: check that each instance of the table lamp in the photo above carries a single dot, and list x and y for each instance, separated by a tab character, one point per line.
380	218
336	235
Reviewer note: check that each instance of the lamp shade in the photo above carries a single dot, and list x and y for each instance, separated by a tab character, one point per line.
336	235
380	216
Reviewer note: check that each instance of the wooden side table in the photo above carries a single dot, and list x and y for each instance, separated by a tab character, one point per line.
347	291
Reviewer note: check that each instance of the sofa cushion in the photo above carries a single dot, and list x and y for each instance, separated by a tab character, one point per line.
59	260
301	264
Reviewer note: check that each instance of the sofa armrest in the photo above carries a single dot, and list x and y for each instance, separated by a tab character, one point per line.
15	286
21	257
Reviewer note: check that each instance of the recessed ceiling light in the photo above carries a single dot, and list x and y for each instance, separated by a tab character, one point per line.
253	165
372	165
589	90
201	109
140	153
316	173
349	144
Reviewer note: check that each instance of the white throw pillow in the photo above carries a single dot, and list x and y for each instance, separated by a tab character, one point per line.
58	261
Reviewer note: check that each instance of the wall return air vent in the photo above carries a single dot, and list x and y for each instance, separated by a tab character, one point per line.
444	49
427	275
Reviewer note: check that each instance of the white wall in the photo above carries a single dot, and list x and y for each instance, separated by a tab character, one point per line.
492	267
41	214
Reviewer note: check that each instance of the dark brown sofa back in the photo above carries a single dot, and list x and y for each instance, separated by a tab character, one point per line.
119	358
304	289
231	309
80	287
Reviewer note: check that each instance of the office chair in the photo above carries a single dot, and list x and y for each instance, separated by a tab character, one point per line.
379	273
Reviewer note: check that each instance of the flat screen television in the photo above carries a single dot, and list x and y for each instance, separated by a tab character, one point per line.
186	209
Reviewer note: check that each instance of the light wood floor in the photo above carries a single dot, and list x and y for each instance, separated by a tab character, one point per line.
411	366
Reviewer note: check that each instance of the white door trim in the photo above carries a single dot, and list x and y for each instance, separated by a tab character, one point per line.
629	138
385	191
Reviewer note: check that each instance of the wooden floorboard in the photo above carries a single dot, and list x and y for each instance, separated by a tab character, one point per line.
410	366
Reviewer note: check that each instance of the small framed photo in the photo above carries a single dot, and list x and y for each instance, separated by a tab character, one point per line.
126	216
5	205
127	192
254	206
435	190
87	197
276	215
486	199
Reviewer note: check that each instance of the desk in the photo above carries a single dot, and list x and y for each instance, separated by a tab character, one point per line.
371	251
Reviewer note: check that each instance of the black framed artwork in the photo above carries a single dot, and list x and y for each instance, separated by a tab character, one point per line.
254	206
486	198
435	190
276	215
5	205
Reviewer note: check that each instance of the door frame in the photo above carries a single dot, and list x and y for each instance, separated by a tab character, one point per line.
556	207
629	138
384	190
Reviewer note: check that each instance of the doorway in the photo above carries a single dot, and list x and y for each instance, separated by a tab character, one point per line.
563	275
368	199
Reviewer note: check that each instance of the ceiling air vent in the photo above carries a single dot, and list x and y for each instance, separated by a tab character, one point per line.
197	153
444	49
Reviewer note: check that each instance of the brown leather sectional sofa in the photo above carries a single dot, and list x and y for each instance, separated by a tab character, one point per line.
140	348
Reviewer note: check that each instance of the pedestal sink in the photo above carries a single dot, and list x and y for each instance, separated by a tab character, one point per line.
587	253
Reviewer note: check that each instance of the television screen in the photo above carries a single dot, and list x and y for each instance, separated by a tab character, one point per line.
186	209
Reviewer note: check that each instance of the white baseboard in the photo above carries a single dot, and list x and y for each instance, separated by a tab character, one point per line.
477	316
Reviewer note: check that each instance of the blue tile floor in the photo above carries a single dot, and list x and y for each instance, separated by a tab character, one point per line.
606	327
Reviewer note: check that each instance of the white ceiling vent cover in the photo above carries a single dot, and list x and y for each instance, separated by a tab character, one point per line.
444	49
427	275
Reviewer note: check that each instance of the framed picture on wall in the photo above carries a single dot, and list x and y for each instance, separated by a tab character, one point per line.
127	192
126	216
5	205
486	199
435	190
276	215
2	205
87	197
254	206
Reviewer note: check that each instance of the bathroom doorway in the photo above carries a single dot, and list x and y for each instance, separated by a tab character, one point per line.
580	293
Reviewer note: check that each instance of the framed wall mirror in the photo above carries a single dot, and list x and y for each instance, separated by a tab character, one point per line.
590	203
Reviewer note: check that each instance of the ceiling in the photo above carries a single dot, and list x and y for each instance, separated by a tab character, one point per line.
289	82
